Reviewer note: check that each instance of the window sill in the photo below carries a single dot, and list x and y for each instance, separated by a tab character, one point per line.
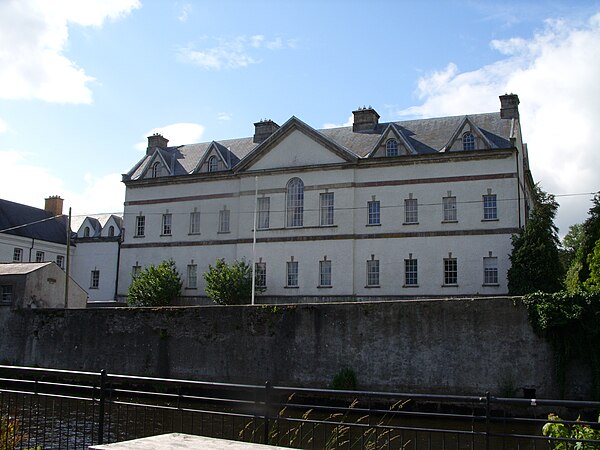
410	285
191	288
410	223
450	285
166	235
324	287
328	226
449	221
490	220
137	236
491	284
93	287
372	286
373	225
194	234
291	287
223	232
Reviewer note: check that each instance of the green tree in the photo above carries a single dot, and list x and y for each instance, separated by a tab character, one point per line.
579	270
535	261
155	285
593	281
570	243
229	284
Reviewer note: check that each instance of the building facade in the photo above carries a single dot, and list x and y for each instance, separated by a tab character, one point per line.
419	208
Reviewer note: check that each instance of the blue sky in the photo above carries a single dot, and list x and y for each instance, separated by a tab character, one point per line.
82	83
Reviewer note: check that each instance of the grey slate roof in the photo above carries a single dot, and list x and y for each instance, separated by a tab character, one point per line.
41	224
99	219
425	135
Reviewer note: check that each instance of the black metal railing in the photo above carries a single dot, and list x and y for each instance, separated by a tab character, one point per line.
62	409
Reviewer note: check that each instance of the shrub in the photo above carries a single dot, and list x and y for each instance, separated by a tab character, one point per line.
155	285
229	284
345	379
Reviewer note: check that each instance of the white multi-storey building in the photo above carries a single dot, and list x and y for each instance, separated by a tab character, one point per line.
417	208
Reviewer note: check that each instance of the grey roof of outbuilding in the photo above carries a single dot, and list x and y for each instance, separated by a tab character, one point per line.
425	135
21	268
39	223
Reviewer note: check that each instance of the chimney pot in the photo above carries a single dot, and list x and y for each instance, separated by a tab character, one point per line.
54	204
365	119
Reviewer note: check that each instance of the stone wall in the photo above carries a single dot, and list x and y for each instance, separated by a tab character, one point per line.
458	346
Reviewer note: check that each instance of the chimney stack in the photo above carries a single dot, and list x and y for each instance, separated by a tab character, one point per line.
156	140
365	119
509	106
54	204
264	129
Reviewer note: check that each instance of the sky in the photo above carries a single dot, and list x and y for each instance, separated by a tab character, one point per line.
84	82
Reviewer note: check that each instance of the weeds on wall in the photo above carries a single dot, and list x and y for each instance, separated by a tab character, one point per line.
345	379
579	432
569	321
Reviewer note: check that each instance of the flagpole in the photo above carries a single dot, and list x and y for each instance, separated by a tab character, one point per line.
254	239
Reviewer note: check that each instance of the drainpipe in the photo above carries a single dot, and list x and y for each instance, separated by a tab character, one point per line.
31	248
118	262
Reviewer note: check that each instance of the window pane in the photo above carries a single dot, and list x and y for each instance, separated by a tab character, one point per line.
450	271
411	212
140	225
449	204
264	206
295	203
490	270
468	141
324	273
261	275
374	215
224	221
192	276
95	279
489	207
194	222
7	292
391	147
410	272
373	272
18	255
166	224
326	201
39	256
292	273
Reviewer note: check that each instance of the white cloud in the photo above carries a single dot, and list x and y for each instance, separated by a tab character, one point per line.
176	133
99	194
235	53
348	123
223	116
33	36
185	11
3	126
556	75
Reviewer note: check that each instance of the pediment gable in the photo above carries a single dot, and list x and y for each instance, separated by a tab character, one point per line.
111	222
393	142
157	166
92	226
216	159
295	144
467	136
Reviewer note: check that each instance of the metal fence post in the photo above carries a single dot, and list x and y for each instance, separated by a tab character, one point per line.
267	412
101	407
487	420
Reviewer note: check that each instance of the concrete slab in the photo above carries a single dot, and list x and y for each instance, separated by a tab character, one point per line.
178	441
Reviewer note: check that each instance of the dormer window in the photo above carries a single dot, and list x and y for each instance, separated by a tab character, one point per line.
391	147
156	170
213	164
468	141
111	231
86	232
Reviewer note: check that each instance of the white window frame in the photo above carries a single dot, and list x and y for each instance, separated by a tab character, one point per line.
294	203
450	271
326	208
140	225
373	273
6	294
374	212
468	141
213	164
263	207
224	220
60	261
391	147
325	273
449	208
411	211
39	256
111	231
292	272
411	272
167	224
135	271
95	279
17	254
261	274
195	222
490	207
156	170
86	232
490	271
192	276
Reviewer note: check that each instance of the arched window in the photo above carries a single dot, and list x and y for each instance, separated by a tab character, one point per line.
468	141
212	164
391	147
111	231
86	232
156	172
295	203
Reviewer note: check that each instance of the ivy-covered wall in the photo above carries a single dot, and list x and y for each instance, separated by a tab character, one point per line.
459	346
